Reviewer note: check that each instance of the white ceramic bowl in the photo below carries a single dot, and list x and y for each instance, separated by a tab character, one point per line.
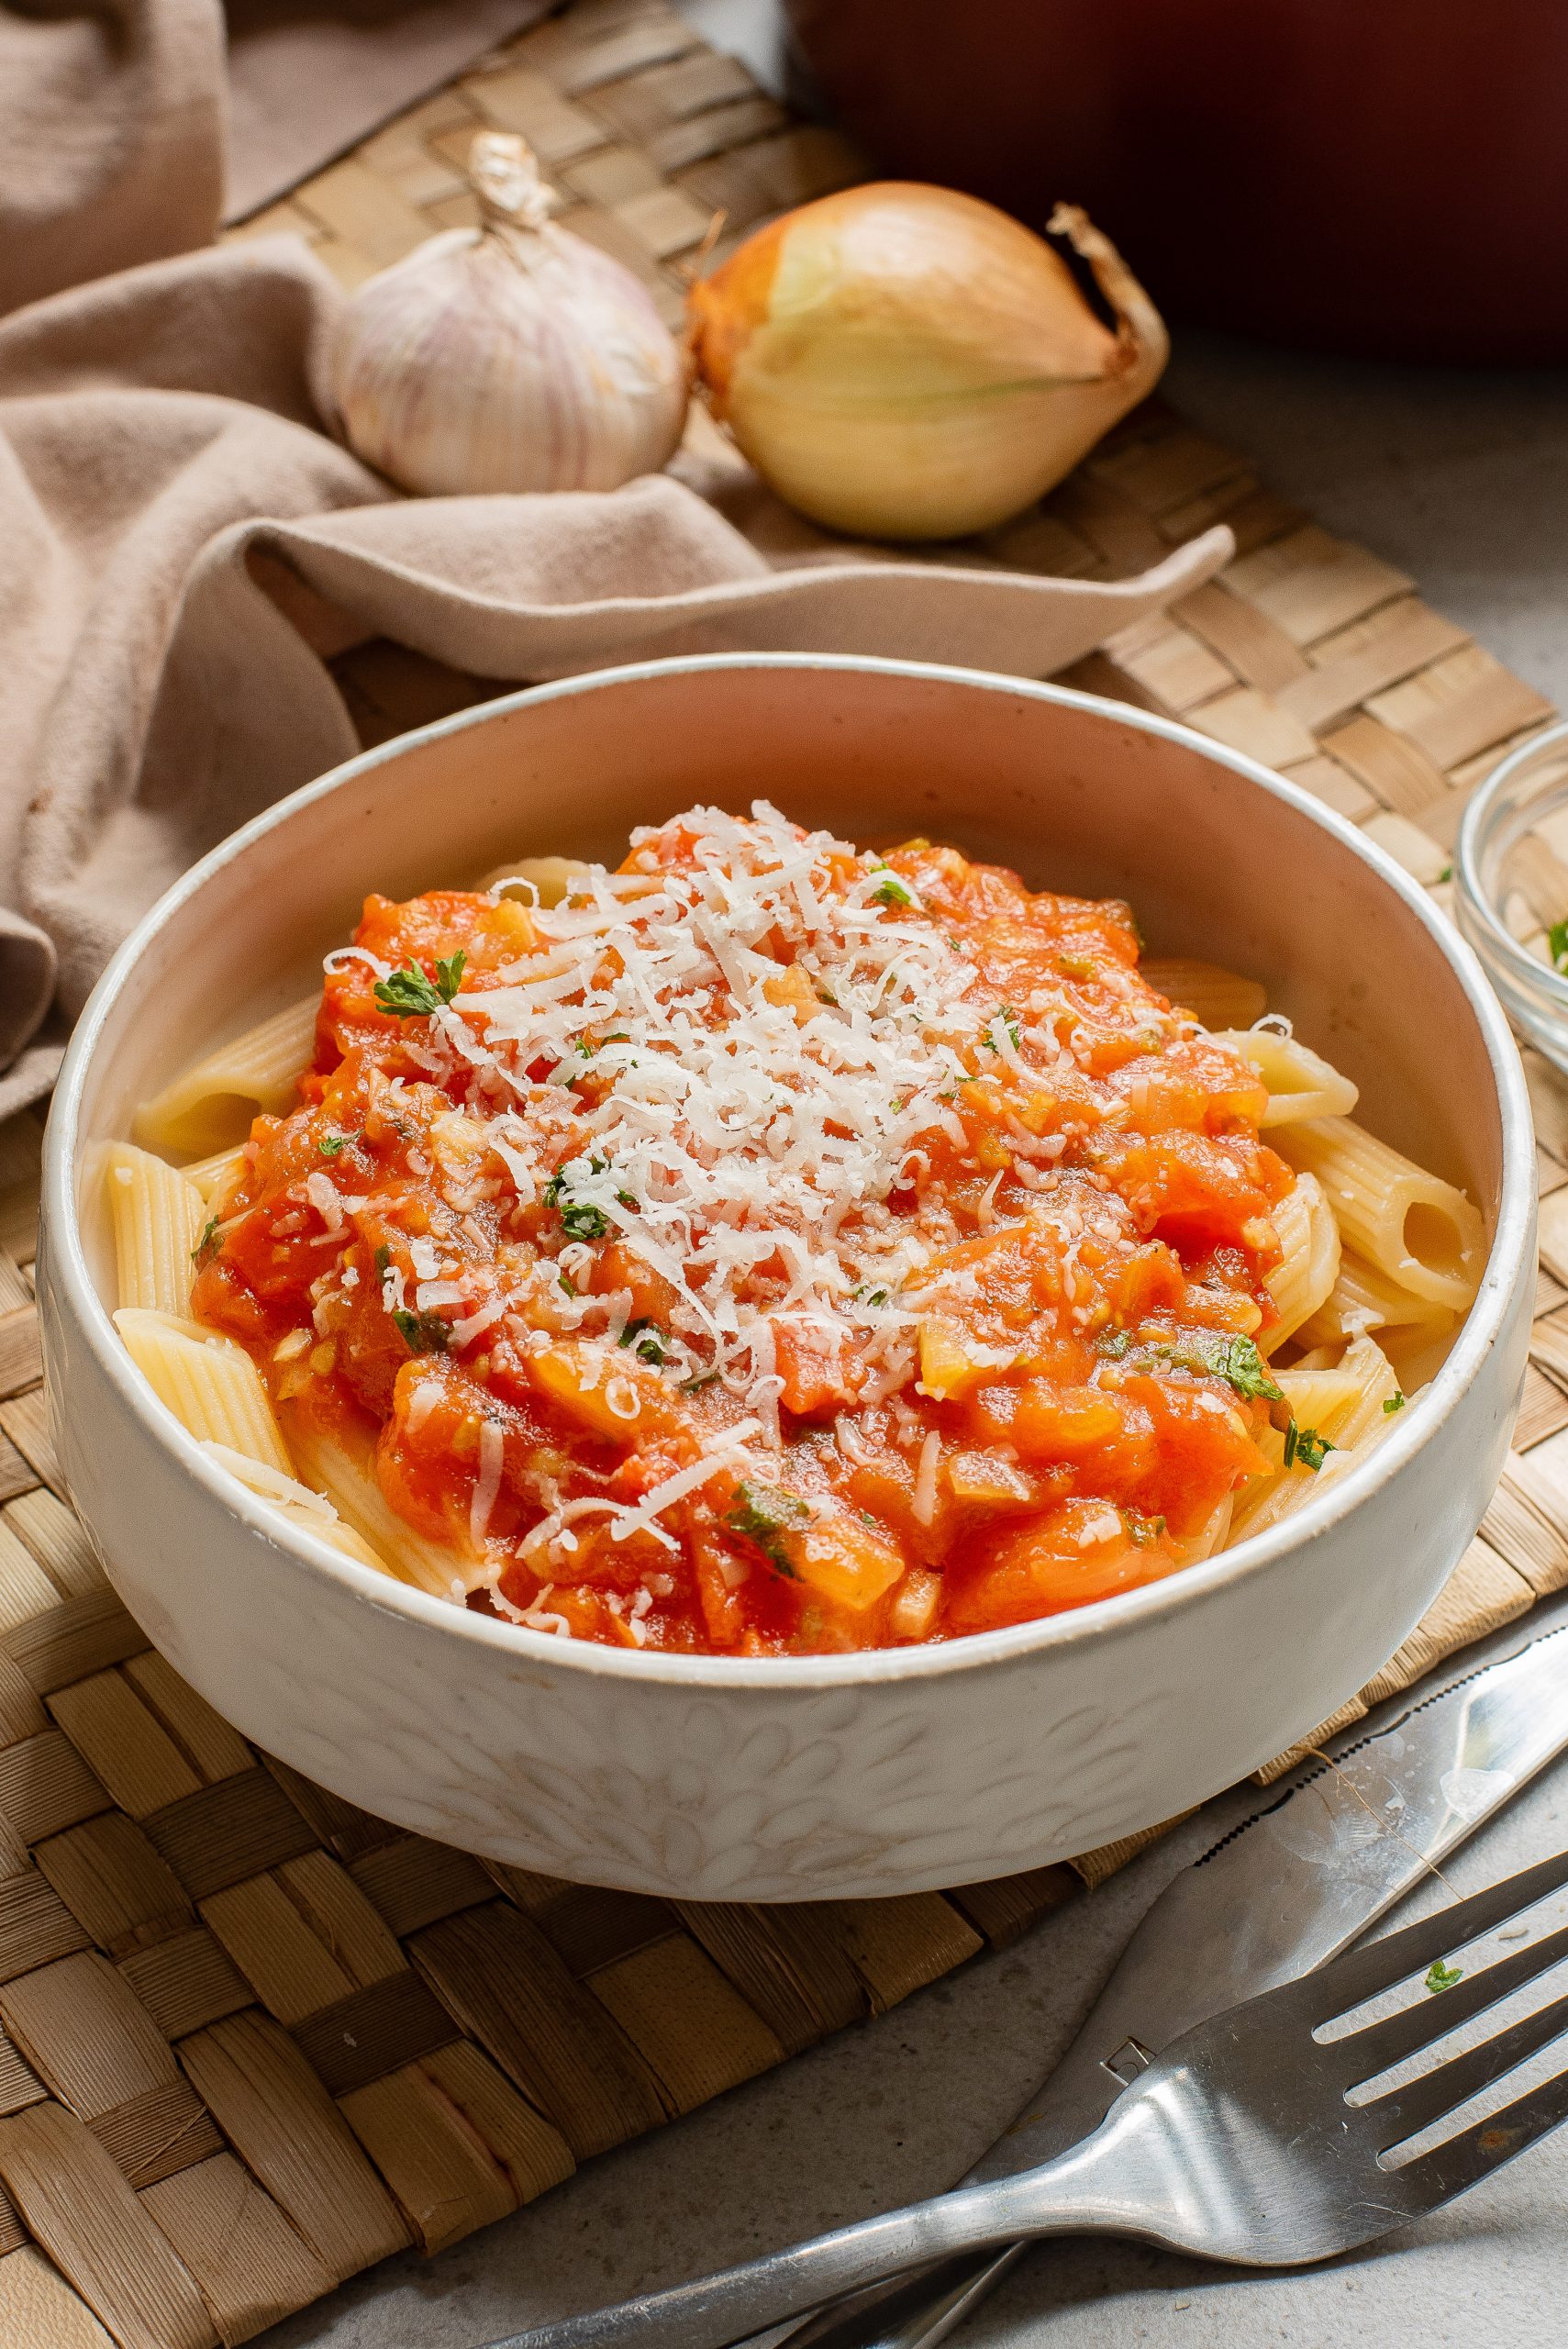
799	1778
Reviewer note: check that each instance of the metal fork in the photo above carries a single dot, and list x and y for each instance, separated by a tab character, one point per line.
1239	2143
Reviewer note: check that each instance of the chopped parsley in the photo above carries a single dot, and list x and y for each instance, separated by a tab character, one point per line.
1305	1448
764	1516
333	1145
1143	1530
1009	1020
698	1379
568	1284
383	1261
891	892
208	1244
411	996
423	1333
1446	875
872	1296
1442	1978
1396	1403
1557	945
1234	1359
580	1219
646	1339
1111	1344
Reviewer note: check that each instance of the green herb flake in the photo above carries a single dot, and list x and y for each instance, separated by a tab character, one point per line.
383	1261
765	1516
206	1245
1305	1448
1442	1978
410	995
423	1333
568	1284
1009	1020
1396	1403
1112	1344
1234	1359
1557	945
1446	875
698	1380
333	1145
580	1220
893	892
646	1339
1144	1532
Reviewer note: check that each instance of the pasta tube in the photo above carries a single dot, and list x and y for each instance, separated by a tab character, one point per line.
1363	1298
349	1484
1217	998
296	1503
157	1217
213	1105
212	1385
1300	1082
541	879
214	1176
1415	1228
1307	1272
1346	1405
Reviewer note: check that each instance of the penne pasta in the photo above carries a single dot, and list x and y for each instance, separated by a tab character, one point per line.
1363	1298
1415	1228
1300	1082
310	1512
535	880
349	1484
1217	998
1320	1398
214	1176
211	1385
1211	1536
158	1219
1367	1421
1305	1276
1346	1405
214	1104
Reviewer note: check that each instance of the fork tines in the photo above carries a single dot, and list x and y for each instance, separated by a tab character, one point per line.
1364	1973
1403	2113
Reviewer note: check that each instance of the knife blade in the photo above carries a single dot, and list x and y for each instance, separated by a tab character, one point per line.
1303	1874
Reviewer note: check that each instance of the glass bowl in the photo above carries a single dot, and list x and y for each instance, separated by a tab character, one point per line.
1511	888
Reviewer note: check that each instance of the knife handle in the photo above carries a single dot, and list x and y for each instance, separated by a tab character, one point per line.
915	2312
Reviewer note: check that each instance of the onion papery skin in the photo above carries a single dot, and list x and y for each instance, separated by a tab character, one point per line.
900	361
507	360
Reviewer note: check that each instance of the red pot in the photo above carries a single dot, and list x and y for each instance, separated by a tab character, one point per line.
1388	176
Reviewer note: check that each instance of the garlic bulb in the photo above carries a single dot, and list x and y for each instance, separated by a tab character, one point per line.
510	357
906	362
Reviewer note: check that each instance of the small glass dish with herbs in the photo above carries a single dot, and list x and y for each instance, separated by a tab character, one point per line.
1511	892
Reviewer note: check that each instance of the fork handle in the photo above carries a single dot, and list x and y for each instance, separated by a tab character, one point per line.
720	2308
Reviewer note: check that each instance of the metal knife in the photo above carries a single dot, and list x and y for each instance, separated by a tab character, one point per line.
1295	1882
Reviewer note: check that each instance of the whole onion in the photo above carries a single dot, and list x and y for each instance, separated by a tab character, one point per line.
906	362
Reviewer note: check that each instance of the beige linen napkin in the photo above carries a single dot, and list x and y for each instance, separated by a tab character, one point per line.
182	536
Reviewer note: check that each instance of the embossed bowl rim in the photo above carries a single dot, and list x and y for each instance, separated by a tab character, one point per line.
1507	1262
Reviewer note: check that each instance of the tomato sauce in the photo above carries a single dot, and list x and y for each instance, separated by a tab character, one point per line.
767	1249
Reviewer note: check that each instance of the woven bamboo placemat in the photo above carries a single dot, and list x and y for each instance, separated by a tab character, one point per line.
251	2040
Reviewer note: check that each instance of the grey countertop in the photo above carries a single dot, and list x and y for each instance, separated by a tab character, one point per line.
1462	480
